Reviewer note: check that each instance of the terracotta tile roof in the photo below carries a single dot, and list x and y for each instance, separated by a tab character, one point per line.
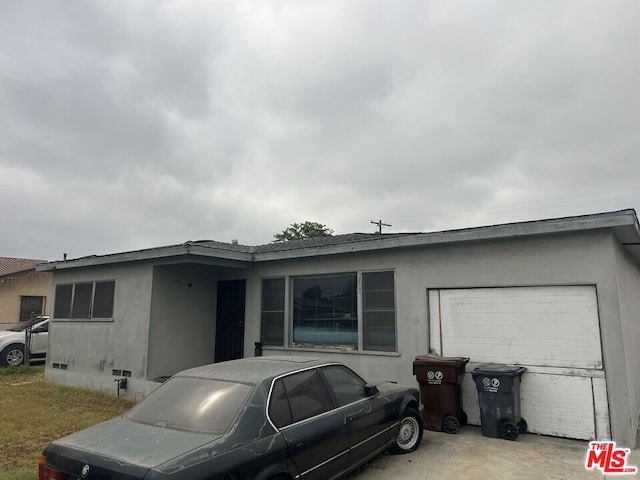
10	265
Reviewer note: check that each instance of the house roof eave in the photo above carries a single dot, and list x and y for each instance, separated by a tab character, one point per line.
623	223
160	253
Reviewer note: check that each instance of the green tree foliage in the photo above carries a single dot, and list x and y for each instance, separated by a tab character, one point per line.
299	231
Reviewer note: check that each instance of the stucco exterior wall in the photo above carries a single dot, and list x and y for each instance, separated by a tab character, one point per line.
561	259
91	349
629	290
12	287
182	332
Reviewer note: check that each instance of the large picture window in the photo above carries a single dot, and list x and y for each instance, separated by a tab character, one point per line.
84	300
331	311
325	310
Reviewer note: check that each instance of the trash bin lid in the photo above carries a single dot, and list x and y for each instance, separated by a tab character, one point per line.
437	360
498	369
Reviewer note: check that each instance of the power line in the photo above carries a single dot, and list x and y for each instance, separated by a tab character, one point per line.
380	225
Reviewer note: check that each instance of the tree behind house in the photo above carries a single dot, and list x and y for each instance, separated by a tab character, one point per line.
299	231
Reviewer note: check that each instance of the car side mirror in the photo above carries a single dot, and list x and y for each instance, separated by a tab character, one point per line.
370	390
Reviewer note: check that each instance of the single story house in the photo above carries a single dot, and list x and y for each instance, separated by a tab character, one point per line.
23	291
558	296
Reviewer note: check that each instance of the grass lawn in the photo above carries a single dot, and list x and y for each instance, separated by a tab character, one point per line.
34	412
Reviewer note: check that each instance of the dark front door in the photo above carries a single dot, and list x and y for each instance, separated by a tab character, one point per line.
230	320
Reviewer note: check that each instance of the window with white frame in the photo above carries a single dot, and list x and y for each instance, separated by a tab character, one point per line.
272	315
378	311
84	300
325	311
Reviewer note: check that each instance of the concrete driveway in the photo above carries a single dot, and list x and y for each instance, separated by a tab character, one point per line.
469	455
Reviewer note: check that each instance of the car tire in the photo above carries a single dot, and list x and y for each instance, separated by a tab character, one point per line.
12	355
410	433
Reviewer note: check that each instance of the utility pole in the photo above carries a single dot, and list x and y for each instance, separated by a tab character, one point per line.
380	225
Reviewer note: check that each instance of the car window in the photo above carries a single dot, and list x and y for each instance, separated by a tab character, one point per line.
192	404
346	385
279	410
41	328
307	394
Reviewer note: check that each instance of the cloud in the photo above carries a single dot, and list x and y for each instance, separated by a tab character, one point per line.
136	124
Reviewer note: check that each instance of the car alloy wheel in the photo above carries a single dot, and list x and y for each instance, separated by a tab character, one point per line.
410	433
13	355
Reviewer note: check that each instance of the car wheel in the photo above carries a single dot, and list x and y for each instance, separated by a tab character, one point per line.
12	355
410	433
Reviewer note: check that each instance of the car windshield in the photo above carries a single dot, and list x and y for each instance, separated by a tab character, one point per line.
192	404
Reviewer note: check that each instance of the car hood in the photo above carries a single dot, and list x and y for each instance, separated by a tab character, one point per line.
125	441
7	334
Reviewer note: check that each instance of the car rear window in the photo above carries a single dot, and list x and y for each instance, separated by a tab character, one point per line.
192	404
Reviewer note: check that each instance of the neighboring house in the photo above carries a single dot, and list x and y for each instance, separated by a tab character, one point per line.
23	291
559	296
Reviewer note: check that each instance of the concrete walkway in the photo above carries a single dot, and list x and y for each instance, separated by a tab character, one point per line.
470	456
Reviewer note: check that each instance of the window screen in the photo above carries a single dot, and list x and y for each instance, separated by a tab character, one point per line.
62	307
379	312
272	315
85	300
103	300
82	300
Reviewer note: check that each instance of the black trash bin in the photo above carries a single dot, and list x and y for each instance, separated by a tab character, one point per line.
440	391
499	398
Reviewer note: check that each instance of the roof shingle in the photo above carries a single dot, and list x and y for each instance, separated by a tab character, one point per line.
9	265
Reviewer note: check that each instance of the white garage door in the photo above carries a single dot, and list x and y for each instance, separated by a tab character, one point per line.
553	331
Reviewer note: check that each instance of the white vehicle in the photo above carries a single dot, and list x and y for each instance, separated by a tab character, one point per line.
12	343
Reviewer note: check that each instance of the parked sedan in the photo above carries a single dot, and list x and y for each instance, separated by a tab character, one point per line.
263	418
12	342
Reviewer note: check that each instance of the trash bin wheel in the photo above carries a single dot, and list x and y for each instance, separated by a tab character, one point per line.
450	424
463	418
508	431
522	425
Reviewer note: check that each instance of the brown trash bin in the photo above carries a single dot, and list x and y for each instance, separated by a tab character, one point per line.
441	391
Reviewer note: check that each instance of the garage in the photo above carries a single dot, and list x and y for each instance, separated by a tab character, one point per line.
554	331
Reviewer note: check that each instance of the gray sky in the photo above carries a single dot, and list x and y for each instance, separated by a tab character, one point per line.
133	124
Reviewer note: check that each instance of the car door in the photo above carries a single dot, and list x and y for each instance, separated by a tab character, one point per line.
315	431
40	338
367	415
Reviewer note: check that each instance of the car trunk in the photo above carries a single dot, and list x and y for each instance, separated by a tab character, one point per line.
126	448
